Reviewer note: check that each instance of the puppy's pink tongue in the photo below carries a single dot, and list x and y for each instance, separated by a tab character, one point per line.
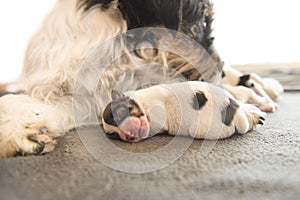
129	137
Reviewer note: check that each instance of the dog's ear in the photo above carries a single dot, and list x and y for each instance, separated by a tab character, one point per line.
118	96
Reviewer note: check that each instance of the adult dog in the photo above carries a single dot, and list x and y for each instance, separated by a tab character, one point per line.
30	121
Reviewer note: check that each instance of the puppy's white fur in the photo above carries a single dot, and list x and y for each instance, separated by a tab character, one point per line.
170	108
259	92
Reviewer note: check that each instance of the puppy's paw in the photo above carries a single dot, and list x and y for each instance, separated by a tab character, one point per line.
254	115
272	87
269	107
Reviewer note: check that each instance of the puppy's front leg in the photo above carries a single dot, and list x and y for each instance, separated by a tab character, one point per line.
252	89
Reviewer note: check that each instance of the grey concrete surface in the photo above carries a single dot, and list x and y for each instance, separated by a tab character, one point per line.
264	164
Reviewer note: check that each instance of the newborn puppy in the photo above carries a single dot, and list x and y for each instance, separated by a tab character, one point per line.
197	109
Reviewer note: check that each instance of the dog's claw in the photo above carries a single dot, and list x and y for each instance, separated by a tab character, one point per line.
20	153
43	130
261	122
262	118
40	148
33	138
40	145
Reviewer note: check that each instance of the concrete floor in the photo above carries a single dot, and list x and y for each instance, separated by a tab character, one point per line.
264	164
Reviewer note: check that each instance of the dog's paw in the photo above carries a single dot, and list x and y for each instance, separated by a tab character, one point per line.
269	107
24	127
254	115
34	144
24	139
272	87
253	89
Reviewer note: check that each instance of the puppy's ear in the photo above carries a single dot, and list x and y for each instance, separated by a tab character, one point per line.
118	96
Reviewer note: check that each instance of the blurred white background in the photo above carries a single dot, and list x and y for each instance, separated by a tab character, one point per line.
258	31
246	31
19	20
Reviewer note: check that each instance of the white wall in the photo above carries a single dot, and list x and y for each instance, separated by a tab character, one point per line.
258	31
19	20
246	31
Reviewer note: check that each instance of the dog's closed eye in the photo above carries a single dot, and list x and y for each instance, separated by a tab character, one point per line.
114	136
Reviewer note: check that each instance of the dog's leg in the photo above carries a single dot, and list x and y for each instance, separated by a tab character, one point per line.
28	126
248	95
252	89
239	118
268	87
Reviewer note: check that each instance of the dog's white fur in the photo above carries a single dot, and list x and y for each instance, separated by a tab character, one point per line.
50	70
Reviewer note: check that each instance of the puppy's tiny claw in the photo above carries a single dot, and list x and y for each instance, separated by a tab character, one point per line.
262	118
261	122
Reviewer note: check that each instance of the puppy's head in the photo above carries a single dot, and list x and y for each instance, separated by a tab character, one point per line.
124	118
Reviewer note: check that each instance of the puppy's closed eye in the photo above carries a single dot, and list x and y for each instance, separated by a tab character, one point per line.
114	136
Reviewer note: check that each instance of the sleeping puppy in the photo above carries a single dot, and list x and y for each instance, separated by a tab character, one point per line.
197	109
